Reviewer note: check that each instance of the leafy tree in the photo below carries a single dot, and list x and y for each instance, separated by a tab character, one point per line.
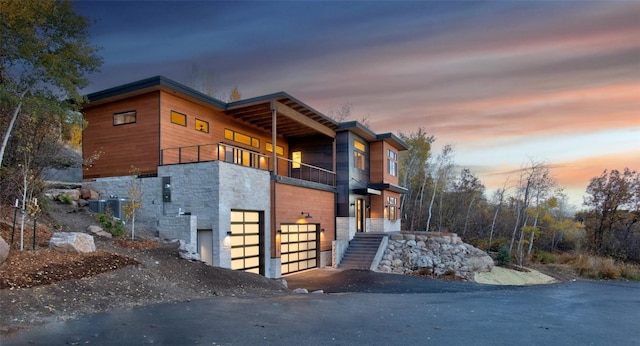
136	192
413	176
45	54
614	201
440	171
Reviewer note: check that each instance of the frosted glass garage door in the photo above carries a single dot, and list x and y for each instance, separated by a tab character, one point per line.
246	241
298	247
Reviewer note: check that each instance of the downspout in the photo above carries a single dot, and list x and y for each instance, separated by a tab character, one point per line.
274	113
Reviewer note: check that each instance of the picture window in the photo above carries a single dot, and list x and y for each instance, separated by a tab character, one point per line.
202	125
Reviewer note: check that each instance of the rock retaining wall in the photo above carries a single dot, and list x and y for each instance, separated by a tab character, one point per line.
439	252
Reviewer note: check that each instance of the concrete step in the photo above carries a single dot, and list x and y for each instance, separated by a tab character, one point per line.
361	251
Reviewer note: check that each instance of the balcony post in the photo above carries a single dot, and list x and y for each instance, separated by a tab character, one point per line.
274	129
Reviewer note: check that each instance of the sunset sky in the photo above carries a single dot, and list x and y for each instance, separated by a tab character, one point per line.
504	82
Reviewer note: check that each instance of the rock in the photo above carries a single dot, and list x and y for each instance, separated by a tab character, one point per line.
301	291
283	282
480	263
4	250
97	230
72	242
397	236
318	292
424	262
82	203
73	194
87	193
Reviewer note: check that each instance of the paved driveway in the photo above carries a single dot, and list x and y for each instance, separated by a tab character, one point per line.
574	313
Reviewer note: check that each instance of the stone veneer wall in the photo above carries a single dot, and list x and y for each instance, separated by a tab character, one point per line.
440	252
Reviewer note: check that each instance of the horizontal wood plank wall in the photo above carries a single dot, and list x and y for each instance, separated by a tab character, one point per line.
379	202
292	200
379	169
122	146
377	162
174	135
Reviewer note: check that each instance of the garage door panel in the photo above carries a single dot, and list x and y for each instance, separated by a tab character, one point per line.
298	247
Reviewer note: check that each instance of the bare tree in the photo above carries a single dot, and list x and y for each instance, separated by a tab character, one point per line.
440	171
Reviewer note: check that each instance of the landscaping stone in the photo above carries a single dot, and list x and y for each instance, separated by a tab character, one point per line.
440	253
4	250
72	242
97	230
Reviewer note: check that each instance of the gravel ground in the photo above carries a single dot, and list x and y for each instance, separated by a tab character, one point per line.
153	274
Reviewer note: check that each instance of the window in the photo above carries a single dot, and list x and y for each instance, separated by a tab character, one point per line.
392	208
279	149
296	158
359	155
202	125
392	163
178	118
241	138
123	118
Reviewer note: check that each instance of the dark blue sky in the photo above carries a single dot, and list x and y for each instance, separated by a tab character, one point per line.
503	81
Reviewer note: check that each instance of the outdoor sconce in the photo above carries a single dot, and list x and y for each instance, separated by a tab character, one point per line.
226	242
279	231
352	205
308	216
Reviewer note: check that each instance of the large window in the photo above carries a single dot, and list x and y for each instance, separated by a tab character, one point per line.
123	118
359	151
392	163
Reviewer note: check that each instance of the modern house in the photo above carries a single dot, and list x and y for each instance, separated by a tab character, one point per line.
267	184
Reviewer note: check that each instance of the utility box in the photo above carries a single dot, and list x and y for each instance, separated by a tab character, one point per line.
116	206
97	205
166	189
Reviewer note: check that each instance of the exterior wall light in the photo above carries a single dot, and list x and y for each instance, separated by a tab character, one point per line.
308	216
226	242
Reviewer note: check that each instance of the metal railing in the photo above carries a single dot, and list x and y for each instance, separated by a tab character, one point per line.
307	172
247	158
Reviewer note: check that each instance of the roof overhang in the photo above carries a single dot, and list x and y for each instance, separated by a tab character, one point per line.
368	135
389	187
367	191
293	118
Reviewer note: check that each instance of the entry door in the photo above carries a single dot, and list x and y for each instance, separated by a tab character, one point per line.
205	245
360	215
298	247
246	241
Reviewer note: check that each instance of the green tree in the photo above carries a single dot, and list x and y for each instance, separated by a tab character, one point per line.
44	55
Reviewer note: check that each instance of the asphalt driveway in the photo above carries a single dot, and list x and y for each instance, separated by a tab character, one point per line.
573	313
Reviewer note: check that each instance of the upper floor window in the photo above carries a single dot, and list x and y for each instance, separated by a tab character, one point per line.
202	125
279	149
179	118
359	151
392	163
241	138
122	118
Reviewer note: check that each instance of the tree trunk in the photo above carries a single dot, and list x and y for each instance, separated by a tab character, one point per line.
12	122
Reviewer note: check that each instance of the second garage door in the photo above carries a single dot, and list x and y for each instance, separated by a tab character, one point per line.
299	247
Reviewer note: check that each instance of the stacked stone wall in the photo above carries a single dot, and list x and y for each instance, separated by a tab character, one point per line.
439	252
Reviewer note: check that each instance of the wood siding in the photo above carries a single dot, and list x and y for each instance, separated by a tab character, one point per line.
122	146
292	200
379	165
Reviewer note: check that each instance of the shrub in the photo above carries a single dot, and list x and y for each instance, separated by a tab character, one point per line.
544	257
65	198
111	224
503	258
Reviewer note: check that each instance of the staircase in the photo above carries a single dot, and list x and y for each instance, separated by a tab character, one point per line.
362	251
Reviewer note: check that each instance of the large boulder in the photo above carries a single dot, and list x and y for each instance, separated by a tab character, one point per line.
87	193
72	242
4	250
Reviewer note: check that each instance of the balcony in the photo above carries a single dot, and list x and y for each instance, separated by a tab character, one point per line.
247	158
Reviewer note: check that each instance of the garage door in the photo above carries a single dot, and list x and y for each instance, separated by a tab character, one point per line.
246	242
298	247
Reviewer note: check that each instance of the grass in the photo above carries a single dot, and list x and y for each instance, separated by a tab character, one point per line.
592	267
